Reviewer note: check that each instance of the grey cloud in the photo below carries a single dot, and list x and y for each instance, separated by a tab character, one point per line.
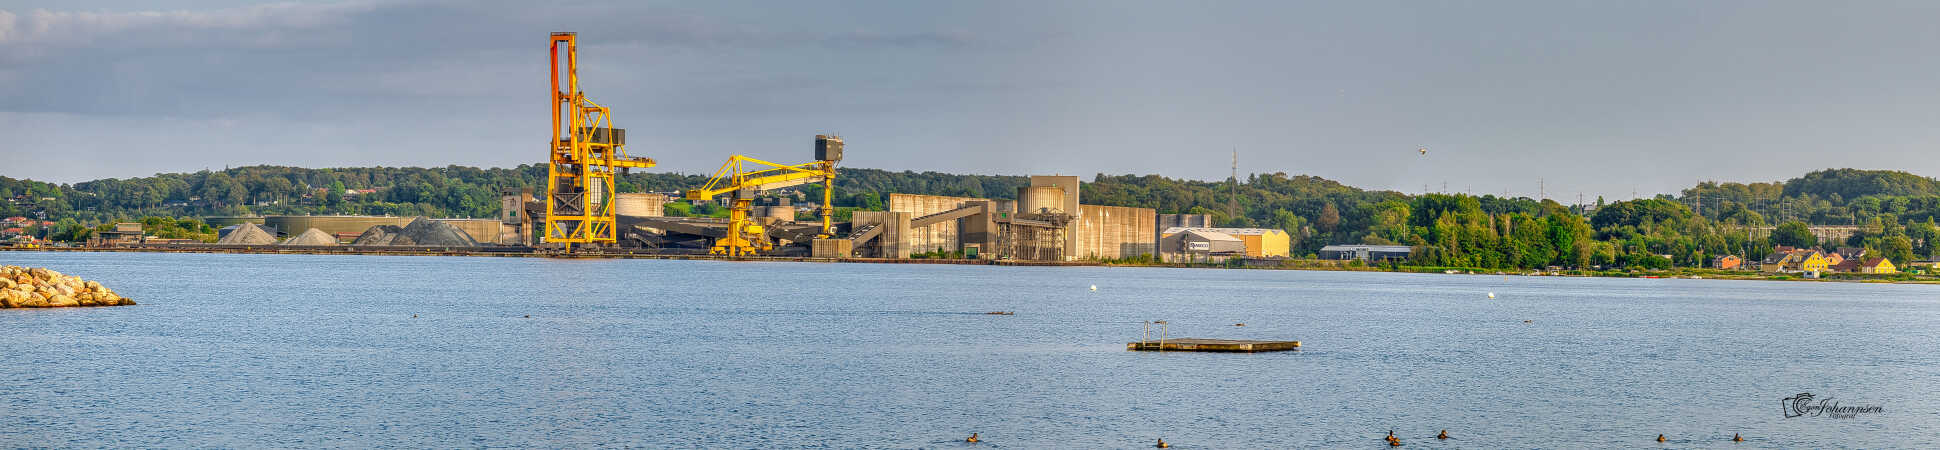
1504	92
305	59
264	25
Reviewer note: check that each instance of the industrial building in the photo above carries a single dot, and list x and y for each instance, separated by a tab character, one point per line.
124	233
641	204
1199	245
1366	252
1177	243
1168	221
1046	222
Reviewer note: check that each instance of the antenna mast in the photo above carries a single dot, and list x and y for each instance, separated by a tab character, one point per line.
1232	201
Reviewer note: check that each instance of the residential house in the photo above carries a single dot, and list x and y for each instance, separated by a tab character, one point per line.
1877	266
1727	262
1795	261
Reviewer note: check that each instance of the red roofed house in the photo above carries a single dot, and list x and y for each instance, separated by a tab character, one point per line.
1877	265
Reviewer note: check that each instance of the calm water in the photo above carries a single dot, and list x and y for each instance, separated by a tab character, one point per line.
323	351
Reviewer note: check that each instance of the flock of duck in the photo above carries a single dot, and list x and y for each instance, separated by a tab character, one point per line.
1392	440
1396	442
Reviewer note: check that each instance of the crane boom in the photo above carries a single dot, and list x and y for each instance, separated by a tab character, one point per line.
742	177
734	175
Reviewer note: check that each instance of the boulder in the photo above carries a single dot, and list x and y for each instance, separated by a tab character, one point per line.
35	300
22	287
60	300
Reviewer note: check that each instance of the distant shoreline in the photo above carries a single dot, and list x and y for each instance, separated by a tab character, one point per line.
1305	265
517	252
1684	273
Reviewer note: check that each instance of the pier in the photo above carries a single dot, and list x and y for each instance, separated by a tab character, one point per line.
1212	345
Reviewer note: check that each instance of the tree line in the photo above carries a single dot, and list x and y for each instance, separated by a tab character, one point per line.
1893	211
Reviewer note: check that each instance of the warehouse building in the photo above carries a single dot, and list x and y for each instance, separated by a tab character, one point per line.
1200	245
1366	252
1259	242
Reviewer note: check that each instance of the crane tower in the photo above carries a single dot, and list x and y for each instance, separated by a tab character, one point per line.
585	154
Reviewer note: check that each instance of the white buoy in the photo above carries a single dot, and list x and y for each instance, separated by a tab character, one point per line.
1491	295
1094	288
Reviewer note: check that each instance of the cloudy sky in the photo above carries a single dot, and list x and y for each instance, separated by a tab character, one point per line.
1591	97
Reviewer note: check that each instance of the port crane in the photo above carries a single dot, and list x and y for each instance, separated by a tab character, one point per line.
742	177
585	154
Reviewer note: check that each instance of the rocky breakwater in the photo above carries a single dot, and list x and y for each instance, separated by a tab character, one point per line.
22	287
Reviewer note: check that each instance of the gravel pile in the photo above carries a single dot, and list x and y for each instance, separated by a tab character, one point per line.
378	235
248	234
424	231
312	237
421	232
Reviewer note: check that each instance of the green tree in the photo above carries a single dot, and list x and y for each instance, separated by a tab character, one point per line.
1923	235
335	197
1390	223
1329	217
1794	234
1897	248
1293	224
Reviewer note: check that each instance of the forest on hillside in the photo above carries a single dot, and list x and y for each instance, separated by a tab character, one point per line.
1894	210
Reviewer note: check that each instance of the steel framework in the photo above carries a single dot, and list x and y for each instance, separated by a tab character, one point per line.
586	153
742	177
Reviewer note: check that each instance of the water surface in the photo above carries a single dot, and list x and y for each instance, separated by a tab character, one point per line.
325	351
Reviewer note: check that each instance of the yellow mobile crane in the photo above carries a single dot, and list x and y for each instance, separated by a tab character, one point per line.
742	177
585	153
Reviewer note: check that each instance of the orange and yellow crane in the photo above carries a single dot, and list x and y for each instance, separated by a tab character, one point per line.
586	153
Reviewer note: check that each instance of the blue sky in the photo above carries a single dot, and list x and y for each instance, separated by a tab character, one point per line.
1598	98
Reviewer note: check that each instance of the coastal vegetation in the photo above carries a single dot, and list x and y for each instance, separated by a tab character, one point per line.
1892	213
